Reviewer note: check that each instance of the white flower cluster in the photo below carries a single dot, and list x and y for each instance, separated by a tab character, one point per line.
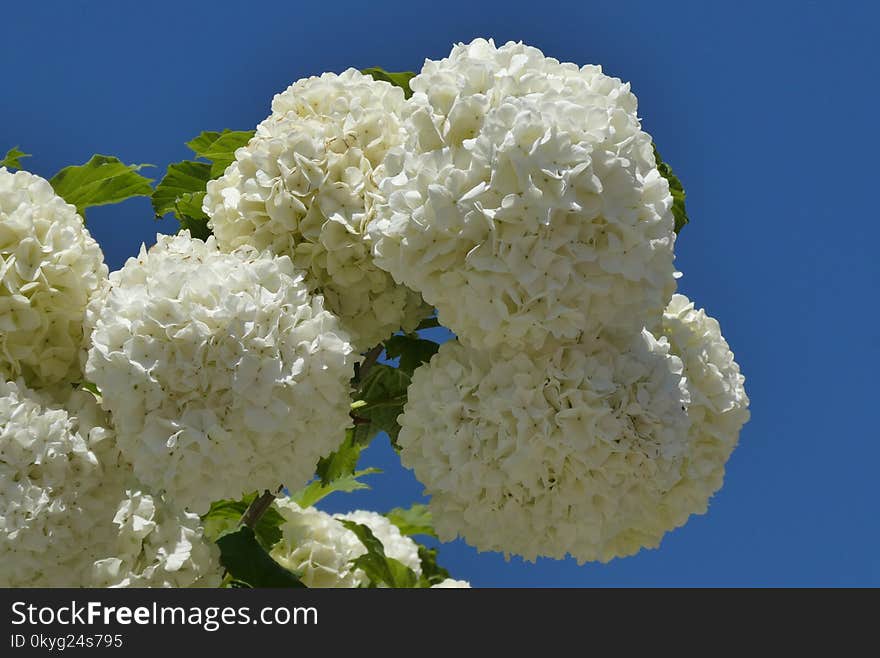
526	203
50	268
304	187
51	489
718	408
61	482
222	373
318	547
157	546
451	583
527	206
567	451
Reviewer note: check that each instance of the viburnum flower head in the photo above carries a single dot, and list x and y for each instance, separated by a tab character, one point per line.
59	478
451	583
304	187
157	546
62	482
719	404
50	267
222	373
318	547
526	202
572	450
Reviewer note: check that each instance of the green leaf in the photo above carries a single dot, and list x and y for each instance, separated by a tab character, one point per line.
92	388
12	159
432	573
247	561
316	490
677	190
181	192
176	192
219	147
429	323
225	515
399	79
384	391
413	521
380	569
342	462
197	227
412	350
100	181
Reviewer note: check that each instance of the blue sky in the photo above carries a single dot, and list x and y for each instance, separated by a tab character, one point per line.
765	110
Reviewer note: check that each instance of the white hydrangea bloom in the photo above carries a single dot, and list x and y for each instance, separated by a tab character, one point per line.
396	545
451	583
222	373
317	546
567	451
50	268
304	187
61	482
526	203
58	479
157	546
719	404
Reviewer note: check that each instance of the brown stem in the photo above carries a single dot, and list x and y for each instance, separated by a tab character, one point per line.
369	361
428	323
257	508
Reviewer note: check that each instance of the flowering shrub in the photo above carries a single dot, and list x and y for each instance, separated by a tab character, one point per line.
178	422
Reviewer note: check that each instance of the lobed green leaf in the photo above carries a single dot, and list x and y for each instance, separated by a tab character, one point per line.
246	561
412	350
398	79
225	516
384	392
379	568
676	189
342	462
219	147
317	490
176	192
413	521
12	159
432	573
429	323
100	181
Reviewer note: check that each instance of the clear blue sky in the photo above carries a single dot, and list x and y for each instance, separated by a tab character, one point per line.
765	109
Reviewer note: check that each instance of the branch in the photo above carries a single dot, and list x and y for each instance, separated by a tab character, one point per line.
428	323
257	508
369	361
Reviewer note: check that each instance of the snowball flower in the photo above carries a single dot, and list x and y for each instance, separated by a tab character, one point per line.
318	547
568	451
526	202
54	486
222	373
451	583
719	404
50	267
304	187
157	546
